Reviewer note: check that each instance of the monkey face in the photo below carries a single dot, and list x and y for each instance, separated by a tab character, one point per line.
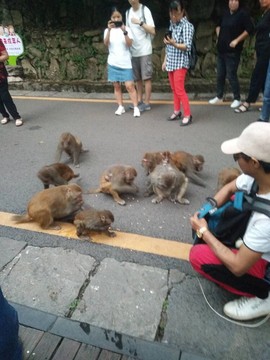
130	175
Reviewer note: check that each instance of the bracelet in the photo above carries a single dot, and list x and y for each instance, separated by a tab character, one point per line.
212	201
141	23
125	33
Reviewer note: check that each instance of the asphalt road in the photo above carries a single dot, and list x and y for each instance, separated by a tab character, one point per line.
115	139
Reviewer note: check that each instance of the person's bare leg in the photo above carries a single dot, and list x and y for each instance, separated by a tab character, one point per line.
132	92
118	93
148	90
139	87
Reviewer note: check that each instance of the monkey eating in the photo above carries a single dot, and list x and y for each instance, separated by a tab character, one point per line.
56	174
93	220
166	181
52	204
71	145
117	179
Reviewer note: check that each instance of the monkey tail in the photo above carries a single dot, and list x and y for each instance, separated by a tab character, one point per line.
21	218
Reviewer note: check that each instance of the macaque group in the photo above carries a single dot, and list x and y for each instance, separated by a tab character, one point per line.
72	146
226	175
189	164
117	179
56	174
93	220
168	174
166	181
51	204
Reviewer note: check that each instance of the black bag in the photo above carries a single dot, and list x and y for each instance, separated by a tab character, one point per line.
193	56
229	222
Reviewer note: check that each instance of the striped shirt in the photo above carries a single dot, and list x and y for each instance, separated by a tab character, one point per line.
182	33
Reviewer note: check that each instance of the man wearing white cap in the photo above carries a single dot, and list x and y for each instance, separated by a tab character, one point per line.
244	271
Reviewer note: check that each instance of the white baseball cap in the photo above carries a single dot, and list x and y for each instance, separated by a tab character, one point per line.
254	141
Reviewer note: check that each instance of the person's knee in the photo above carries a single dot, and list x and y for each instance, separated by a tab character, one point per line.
195	256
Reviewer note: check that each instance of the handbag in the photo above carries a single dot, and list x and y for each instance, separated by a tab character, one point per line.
228	223
193	56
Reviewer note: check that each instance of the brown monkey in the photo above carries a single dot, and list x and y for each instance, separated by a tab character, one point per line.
50	204
151	160
72	146
95	220
189	164
117	179
56	174
227	175
166	181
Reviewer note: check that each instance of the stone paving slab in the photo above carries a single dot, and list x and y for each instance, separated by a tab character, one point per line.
125	297
46	278
194	327
9	249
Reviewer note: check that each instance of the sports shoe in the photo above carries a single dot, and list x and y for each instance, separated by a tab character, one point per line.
5	120
215	100
246	308
132	106
235	104
136	112
18	122
144	107
121	110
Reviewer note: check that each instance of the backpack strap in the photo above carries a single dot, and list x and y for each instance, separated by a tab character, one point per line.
256	203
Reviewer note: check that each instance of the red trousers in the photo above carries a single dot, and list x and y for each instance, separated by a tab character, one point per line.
205	262
180	98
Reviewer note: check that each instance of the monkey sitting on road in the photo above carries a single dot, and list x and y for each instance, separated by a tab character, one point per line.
227	175
185	162
72	146
51	204
166	181
56	174
93	220
117	179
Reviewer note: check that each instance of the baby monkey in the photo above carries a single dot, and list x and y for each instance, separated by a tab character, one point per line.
56	174
93	220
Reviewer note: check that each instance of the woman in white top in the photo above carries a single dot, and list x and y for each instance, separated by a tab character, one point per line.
118	39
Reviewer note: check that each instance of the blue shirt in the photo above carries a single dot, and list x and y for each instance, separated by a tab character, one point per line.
182	33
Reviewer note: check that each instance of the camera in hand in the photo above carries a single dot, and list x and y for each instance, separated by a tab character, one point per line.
168	34
118	23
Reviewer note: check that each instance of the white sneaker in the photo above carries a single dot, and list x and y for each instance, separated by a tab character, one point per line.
235	104
121	110
18	122
215	100
5	120
246	308
136	112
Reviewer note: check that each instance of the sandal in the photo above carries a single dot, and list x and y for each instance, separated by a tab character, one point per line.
241	109
174	116
186	120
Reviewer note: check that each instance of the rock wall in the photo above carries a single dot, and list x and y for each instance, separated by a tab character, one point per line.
79	55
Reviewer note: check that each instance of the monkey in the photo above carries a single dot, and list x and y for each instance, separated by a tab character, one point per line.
227	175
151	160
56	174
72	146
166	181
185	162
51	204
92	219
117	179
189	164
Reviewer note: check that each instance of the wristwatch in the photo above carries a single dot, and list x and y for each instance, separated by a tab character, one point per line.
201	231
125	33
141	23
